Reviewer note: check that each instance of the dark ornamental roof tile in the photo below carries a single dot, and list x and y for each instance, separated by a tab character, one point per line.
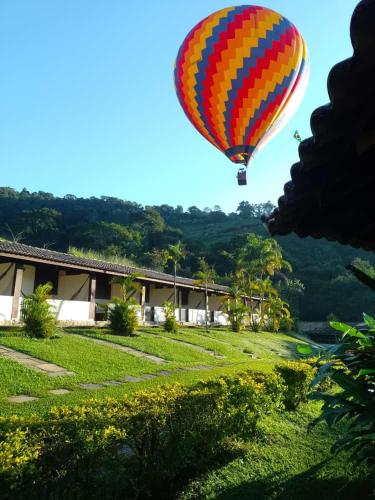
331	191
61	259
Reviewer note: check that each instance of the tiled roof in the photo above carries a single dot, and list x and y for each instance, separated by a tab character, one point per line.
60	258
331	192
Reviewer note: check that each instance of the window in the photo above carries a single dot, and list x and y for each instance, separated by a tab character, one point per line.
47	274
184	297
103	287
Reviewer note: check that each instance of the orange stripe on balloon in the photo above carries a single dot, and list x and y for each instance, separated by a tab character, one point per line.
270	77
241	47
192	56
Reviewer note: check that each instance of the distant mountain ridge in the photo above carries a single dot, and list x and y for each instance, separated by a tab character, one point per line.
124	228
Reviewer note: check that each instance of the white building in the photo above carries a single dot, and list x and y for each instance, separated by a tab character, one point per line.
80	285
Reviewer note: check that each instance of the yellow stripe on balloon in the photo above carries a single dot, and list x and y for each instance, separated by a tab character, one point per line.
265	84
257	28
192	57
265	124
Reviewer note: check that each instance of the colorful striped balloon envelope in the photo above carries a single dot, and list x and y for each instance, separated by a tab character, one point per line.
240	74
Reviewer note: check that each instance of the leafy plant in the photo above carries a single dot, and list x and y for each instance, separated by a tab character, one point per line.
235	309
129	286
137	447
297	377
37	314
122	317
170	323
351	365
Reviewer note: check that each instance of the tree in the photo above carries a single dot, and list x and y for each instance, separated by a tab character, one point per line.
128	287
157	259
176	253
235	308
205	276
121	312
36	313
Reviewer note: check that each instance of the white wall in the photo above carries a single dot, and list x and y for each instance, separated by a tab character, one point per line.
70	310
197	316
5	308
6	283
221	318
70	284
28	280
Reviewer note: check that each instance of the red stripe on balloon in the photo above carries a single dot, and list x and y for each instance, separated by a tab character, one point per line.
256	73
215	58
271	108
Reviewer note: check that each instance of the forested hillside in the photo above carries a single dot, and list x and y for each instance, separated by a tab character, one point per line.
127	229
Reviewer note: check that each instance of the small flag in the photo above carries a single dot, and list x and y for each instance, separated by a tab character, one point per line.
297	136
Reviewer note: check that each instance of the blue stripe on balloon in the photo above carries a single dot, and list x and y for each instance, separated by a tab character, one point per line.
270	98
248	64
203	64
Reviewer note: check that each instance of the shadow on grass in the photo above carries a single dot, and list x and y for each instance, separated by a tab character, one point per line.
305	486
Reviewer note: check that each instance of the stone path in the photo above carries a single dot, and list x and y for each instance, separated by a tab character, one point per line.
39	365
128	350
123	380
188	344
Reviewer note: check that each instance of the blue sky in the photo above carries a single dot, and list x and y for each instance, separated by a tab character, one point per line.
88	106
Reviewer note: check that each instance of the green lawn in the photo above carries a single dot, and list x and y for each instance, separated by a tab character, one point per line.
95	363
288	460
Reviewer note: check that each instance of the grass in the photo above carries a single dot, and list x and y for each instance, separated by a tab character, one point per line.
287	461
96	363
178	355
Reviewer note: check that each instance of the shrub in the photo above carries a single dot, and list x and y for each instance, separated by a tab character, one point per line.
297	377
36	313
122	317
139	447
237	312
170	323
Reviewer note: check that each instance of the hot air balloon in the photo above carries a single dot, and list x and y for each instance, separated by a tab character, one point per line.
240	74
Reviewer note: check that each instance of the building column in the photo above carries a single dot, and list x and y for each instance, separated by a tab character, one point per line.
92	294
142	301
17	287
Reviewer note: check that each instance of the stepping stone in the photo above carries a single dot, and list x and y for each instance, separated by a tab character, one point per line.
113	382
34	363
64	373
91	386
148	376
59	391
129	378
165	372
201	367
22	398
128	350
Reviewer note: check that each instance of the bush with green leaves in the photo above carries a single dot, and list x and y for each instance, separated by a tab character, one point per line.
170	323
140	446
351	365
236	311
122	317
297	377
37	314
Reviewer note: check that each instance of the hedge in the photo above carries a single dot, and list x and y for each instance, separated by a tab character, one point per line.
144	446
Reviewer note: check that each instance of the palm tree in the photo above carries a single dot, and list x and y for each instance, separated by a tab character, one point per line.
176	253
128	286
206	275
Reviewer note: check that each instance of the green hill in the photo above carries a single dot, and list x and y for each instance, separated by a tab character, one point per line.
121	228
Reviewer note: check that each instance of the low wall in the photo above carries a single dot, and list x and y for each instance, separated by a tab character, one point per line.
71	310
6	302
